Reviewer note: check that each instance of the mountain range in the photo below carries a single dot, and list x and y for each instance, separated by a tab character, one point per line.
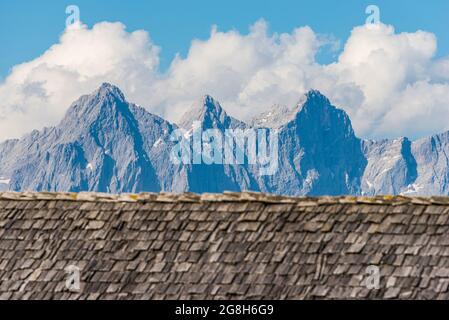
106	144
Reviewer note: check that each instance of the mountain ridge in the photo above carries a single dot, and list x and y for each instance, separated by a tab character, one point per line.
105	143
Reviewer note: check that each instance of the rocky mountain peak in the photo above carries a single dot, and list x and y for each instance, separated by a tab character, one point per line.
108	90
210	114
317	114
315	102
210	104
107	101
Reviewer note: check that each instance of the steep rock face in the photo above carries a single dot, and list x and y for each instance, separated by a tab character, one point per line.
157	144
432	158
391	168
202	177
5	151
319	153
97	146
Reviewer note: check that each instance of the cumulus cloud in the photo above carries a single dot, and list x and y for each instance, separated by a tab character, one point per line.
388	82
383	65
244	72
37	93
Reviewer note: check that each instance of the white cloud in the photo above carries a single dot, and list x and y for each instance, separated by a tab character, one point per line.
421	108
244	72
384	64
37	93
389	83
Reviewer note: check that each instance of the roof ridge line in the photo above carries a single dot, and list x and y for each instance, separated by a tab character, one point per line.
221	197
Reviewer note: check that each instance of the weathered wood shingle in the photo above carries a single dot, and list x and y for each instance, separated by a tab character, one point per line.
227	246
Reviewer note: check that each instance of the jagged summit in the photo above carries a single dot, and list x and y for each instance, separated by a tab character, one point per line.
211	107
107	89
318	113
210	114
314	101
210	103
106	101
206	108
99	145
314	94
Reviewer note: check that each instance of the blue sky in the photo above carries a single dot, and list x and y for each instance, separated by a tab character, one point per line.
392	81
28	28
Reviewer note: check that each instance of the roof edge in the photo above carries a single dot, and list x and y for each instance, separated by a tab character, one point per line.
221	197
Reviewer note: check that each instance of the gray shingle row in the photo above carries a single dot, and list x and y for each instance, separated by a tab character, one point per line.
240	246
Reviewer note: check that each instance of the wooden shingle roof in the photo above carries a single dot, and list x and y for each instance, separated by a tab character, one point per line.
226	246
